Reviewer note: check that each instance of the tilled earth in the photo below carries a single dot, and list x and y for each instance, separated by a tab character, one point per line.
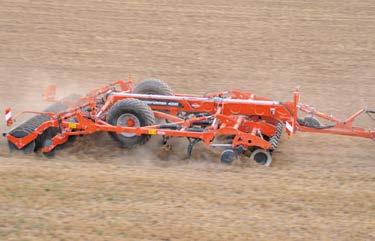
319	187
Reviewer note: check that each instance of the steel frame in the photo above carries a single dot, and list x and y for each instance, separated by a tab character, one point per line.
243	115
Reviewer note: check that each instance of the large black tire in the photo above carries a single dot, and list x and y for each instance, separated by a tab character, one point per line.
153	87
135	109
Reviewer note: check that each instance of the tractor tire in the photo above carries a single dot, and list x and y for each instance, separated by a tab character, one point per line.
153	87
136	111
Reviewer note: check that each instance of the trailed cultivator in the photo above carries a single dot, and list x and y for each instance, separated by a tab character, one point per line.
240	123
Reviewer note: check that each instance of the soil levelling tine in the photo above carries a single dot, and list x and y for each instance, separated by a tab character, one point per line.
273	143
279	133
279	130
274	140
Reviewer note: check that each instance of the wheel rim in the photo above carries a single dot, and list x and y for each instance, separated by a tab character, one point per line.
261	157
128	120
227	156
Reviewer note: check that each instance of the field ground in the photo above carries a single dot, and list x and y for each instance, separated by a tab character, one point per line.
319	187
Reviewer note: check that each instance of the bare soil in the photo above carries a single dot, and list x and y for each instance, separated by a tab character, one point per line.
319	187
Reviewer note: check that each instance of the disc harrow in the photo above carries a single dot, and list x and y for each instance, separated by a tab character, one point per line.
239	122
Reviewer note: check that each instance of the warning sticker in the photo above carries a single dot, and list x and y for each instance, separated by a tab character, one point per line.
289	127
152	132
72	125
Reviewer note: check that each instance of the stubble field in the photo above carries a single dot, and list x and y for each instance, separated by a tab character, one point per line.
319	187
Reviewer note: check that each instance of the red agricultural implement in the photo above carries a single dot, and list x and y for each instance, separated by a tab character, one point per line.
239	122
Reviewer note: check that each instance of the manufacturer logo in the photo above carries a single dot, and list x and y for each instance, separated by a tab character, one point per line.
162	103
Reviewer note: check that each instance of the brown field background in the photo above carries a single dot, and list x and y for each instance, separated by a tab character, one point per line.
319	187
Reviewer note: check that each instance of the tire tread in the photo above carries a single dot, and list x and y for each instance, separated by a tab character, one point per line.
144	113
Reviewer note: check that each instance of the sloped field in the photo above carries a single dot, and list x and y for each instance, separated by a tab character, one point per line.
319	188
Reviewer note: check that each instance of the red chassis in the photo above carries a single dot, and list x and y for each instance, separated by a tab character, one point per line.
247	122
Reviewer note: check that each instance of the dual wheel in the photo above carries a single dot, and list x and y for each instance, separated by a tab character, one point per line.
260	156
135	113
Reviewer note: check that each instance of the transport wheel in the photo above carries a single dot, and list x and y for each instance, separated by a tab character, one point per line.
153	87
131	113
262	157
228	156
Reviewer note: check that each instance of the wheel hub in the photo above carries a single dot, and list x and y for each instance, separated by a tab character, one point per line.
262	157
128	120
